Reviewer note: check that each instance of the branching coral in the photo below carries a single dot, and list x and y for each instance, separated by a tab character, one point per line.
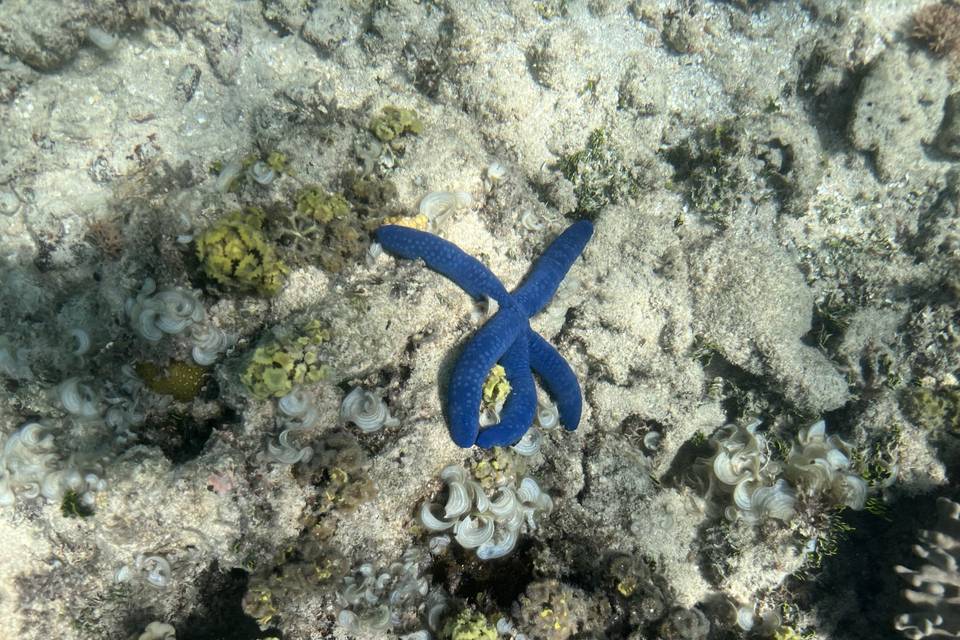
935	587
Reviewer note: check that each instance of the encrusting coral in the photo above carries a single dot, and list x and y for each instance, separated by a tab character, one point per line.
182	380
236	253
277	366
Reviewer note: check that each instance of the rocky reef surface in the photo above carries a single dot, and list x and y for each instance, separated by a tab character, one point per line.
222	405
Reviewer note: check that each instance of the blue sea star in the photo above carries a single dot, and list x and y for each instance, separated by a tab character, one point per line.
506	338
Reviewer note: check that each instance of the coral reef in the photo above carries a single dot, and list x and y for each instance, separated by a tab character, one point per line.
938	26
322	227
201	337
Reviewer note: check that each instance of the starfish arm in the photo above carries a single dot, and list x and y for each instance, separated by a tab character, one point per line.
445	258
547	272
557	378
521	404
482	351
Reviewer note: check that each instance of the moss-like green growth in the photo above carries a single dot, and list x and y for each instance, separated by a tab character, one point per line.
601	175
323	228
339	469
496	388
182	380
72	507
370	196
632	587
788	633
393	122
258	602
235	252
469	625
309	565
498	467
934	409
277	366
550	610
323	207
278	162
709	164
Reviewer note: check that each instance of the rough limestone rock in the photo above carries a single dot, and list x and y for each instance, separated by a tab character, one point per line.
750	301
948	140
899	109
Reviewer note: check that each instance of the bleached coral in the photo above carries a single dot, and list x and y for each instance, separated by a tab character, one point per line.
78	398
13	361
437	206
153	571
492	526
741	467
935	591
820	464
377	600
367	410
31	466
761	488
154	314
158	631
298	413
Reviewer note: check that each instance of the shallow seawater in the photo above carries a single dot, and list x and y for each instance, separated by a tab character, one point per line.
555	320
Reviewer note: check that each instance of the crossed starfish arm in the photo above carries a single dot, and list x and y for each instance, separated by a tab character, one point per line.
445	258
506	338
492	341
543	279
557	378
